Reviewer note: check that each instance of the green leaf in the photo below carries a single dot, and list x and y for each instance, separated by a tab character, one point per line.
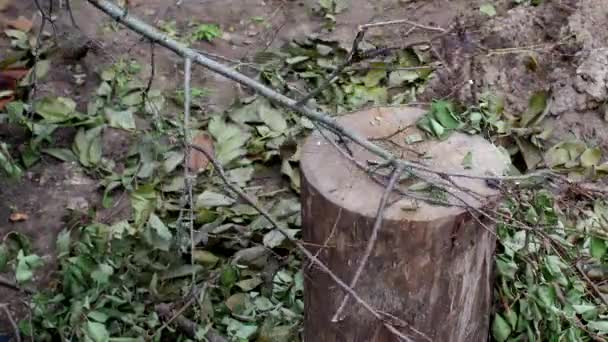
172	161
26	265
362	95
467	161
536	107
205	258
120	119
511	317
229	276
249	284
591	157
157	233
601	326
56	109
63	243
29	155
602	168
506	268
241	331
98	316
61	154
97	332
488	9
376	74
273	118
443	112
8	164
181	271
327	5
399	77
240	176
500	329
101	275
296	60
207	32
143	202
210	199
587	311
597	247
263	303
87	145
273	239
437	128
230	140
255	257
133	99
556	156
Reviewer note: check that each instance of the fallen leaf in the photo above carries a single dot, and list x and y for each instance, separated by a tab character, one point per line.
18	217
197	160
9	78
488	9
22	24
591	157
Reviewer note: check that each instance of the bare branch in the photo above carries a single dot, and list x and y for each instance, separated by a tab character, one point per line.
11	321
162	39
372	239
187	175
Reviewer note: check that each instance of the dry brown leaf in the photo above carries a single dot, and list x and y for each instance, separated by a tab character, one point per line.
9	80
198	161
22	24
18	217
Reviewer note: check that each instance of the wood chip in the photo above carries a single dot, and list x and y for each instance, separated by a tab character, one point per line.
18	217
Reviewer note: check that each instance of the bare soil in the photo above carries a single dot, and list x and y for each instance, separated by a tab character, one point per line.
566	38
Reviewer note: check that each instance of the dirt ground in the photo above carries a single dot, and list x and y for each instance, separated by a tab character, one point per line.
566	38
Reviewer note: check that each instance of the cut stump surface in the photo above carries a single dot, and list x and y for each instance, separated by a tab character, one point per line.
430	269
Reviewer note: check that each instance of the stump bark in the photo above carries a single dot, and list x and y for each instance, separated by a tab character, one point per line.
430	269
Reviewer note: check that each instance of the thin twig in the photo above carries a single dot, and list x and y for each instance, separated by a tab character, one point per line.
180	311
152	69
334	75
329	237
236	189
399	22
187	153
591	284
68	7
162	39
372	239
11	321
14	286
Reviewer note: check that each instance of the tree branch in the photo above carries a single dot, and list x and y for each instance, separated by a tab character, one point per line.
162	39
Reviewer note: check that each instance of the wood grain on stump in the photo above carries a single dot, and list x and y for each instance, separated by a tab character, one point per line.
431	265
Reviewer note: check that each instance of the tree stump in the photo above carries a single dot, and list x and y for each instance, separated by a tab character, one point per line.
430	270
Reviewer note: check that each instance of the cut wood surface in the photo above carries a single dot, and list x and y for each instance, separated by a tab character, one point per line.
430	269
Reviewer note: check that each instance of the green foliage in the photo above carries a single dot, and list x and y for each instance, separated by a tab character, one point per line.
543	287
384	80
247	279
207	32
